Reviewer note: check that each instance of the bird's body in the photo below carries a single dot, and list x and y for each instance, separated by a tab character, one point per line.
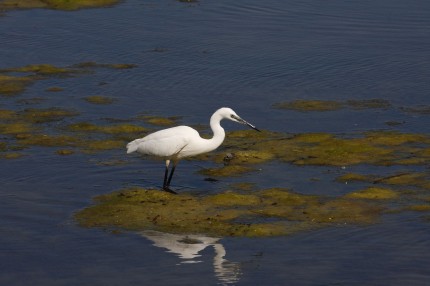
173	144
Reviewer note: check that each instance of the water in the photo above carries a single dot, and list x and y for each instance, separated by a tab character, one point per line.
192	59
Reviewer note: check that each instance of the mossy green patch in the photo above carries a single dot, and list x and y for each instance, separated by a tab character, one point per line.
41	69
12	85
7	114
330	105
368	103
102	145
353	177
91	65
160	121
374	193
99	99
54	89
226	171
418	208
65	152
11	155
55	4
376	148
419	180
310	105
35	115
109	129
264	213
46	140
15	128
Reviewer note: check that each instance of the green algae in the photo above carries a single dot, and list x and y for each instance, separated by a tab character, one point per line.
103	145
54	89
92	65
368	103
374	193
99	99
34	115
11	155
109	129
264	213
40	69
376	148
419	180
226	171
310	105
160	121
7	114
65	152
14	128
330	105
418	208
67	5
13	85
46	140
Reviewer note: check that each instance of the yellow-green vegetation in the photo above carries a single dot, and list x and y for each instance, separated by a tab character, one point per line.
374	193
226	171
34	115
368	103
90	65
99	99
330	105
377	148
42	69
12	85
263	213
160	121
11	155
310	105
110	129
54	89
102	145
15	128
419	180
65	152
55	4
45	140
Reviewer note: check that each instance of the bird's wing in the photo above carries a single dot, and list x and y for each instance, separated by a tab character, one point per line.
164	143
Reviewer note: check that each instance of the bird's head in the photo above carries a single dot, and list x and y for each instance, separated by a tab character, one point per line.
229	114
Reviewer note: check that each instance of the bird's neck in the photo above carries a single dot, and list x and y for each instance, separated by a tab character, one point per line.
219	133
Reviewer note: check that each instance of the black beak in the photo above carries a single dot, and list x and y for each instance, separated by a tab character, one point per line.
247	123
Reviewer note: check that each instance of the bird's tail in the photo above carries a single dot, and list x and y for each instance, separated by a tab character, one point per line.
132	146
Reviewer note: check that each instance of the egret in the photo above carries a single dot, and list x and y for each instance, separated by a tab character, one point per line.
173	144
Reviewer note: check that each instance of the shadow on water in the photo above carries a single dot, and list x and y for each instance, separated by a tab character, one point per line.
190	249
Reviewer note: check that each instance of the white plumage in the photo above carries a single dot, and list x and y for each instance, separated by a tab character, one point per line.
175	143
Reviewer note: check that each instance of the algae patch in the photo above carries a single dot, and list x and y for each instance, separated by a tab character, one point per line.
99	99
263	213
330	105
67	5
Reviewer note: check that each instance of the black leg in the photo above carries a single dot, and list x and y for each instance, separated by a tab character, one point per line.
165	176
171	173
166	182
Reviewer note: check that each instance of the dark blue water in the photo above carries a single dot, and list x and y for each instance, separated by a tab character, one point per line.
192	59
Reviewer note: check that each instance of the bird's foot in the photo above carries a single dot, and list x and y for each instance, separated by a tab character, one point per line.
169	190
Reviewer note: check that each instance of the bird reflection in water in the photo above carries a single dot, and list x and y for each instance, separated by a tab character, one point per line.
188	247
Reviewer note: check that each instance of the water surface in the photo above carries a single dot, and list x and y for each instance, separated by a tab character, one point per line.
192	59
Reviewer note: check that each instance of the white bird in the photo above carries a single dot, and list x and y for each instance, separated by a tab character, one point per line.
173	144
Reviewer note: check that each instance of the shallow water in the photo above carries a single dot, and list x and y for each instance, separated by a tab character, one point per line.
192	59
